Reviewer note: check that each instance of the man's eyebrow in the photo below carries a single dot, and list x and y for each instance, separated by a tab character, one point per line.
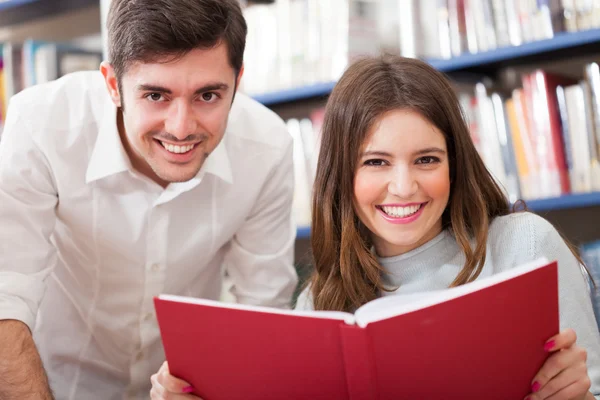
206	88
211	87
152	88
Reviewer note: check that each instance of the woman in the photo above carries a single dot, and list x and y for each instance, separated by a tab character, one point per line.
403	203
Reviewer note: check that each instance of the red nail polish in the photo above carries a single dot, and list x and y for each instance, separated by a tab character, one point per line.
549	345
536	387
187	389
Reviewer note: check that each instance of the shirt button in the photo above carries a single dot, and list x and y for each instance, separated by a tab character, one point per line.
155	267
148	317
139	356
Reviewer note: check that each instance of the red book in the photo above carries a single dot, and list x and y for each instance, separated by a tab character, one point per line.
481	340
547	129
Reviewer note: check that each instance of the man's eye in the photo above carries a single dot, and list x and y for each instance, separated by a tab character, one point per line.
209	96
154	96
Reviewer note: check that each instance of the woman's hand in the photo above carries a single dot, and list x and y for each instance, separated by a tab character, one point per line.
166	387
564	375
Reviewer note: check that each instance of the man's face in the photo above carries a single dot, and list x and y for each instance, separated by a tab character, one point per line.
174	112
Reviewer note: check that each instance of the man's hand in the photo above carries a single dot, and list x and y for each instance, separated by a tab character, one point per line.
166	387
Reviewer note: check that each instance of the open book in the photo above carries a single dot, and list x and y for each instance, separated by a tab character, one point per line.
484	339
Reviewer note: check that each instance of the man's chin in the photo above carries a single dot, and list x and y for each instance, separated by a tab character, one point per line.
177	176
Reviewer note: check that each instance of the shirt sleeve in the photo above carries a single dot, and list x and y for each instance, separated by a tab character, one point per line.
28	199
260	257
576	311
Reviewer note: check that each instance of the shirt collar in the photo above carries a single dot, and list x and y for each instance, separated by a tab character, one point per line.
218	163
109	156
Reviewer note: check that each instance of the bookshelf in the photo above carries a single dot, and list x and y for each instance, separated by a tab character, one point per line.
5	5
51	20
581	200
16	12
295	94
561	46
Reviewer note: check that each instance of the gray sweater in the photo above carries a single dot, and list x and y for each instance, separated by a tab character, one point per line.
512	240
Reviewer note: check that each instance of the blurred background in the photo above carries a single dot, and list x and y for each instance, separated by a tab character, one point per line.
526	72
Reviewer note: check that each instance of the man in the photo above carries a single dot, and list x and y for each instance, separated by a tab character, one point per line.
143	179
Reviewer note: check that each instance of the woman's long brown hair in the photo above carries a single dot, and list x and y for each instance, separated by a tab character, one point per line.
347	274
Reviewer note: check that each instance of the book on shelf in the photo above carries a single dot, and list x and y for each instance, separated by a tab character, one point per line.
293	43
540	139
35	62
444	344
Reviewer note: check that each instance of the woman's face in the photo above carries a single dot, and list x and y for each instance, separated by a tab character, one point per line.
402	182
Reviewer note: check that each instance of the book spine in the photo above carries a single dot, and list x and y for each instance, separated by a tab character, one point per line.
359	363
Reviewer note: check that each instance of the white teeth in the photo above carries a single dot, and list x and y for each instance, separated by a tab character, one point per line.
401	212
177	149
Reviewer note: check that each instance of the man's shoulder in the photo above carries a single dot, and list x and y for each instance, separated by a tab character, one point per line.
65	109
76	84
71	96
251	121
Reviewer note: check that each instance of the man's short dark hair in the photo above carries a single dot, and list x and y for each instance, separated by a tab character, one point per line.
149	30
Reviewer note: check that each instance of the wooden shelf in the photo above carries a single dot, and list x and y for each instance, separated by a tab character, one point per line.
64	26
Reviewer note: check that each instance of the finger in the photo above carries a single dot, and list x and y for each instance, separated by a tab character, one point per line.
557	363
158	392
563	340
573	391
564	379
171	383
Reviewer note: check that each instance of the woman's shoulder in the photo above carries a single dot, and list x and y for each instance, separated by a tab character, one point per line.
522	225
524	232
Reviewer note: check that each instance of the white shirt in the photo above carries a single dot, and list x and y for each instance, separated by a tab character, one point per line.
86	242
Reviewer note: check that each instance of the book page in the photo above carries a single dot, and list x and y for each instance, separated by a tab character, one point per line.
342	316
390	306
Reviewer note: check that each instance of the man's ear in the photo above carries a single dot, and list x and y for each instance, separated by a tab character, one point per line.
112	85
239	77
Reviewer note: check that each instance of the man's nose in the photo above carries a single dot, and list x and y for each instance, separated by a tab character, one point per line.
181	121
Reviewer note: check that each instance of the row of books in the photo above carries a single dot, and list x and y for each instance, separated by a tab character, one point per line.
542	139
472	26
33	62
293	43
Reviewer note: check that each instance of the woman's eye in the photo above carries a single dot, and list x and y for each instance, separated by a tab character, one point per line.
375	163
428	160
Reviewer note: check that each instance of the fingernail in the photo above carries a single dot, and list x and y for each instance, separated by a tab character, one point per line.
536	387
549	345
187	389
